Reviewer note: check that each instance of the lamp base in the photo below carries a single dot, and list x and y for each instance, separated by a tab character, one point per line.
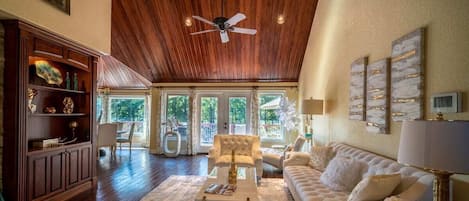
441	185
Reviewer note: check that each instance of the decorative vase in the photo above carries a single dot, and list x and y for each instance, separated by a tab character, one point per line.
233	173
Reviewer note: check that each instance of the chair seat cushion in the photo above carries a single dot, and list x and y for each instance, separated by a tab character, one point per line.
239	160
122	139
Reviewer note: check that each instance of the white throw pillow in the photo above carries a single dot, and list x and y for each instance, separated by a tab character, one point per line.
342	174
375	187
320	157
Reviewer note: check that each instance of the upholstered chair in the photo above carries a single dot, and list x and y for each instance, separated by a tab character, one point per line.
275	156
107	136
246	147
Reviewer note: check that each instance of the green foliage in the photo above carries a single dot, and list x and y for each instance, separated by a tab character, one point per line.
127	109
209	109
238	110
178	107
268	116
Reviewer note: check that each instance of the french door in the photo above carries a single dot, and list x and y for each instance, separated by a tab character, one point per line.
222	113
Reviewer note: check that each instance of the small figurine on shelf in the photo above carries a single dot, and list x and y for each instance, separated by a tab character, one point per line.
31	94
68	105
73	125
49	110
75	81
67	81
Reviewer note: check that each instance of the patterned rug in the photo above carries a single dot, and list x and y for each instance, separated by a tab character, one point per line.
185	188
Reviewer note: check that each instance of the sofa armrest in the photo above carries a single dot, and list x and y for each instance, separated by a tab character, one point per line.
257	154
213	153
296	158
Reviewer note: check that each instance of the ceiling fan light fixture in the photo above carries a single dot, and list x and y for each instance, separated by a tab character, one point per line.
280	19
188	22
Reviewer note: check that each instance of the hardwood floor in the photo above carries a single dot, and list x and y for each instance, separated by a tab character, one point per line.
129	177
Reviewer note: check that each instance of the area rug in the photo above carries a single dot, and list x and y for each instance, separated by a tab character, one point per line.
185	188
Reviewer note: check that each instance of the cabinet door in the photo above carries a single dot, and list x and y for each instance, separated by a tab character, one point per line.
78	165
73	167
85	154
46	174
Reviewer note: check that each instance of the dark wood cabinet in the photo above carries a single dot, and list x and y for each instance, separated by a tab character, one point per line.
46	174
78	165
67	168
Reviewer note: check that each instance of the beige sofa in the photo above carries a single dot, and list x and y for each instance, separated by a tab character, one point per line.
304	184
247	151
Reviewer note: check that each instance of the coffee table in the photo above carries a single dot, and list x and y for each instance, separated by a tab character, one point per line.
246	185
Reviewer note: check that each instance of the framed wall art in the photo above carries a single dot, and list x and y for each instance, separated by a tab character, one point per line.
357	89
377	97
63	5
407	68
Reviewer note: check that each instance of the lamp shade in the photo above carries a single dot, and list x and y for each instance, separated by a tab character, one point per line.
435	145
311	106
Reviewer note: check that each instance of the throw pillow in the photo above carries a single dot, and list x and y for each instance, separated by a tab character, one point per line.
342	173
320	157
375	187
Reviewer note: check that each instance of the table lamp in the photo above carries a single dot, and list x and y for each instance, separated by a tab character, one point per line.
439	146
309	108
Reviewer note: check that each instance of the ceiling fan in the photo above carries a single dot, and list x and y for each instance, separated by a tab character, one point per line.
225	25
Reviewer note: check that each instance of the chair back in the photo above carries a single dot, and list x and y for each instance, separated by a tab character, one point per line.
107	134
131	132
242	144
298	144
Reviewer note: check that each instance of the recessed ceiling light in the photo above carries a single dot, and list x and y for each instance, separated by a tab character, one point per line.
280	19
188	22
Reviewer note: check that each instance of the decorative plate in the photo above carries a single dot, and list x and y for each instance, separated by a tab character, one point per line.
49	73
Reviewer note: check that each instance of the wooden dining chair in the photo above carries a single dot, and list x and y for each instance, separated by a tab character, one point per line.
127	139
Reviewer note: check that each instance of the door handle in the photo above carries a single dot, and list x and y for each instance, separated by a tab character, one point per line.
225	126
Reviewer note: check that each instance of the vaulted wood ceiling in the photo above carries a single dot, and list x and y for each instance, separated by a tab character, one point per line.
150	37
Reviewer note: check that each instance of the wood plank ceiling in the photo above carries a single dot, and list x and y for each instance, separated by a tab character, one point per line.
150	37
114	74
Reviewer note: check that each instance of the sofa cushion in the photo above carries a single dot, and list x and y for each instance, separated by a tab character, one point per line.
343	173
308	186
320	157
375	187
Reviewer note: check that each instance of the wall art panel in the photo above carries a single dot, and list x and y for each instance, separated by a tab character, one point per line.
377	97
407	76
357	89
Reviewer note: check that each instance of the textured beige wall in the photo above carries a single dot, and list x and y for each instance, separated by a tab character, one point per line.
2	68
88	24
344	30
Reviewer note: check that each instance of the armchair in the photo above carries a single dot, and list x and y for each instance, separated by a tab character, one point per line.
247	152
275	157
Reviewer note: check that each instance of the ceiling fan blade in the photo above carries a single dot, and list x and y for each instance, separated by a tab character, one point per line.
243	30
224	36
235	19
203	20
205	31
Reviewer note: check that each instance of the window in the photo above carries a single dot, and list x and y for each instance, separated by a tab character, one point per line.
270	128
126	110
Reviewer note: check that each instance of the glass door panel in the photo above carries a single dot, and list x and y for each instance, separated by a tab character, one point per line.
178	108
208	120
237	115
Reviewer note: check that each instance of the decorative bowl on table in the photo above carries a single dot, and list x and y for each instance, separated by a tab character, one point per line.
47	72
